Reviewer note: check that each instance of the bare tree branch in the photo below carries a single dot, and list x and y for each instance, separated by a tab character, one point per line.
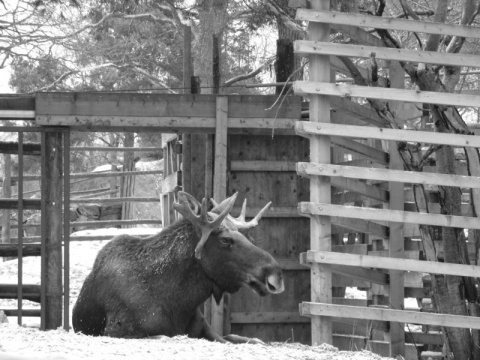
250	74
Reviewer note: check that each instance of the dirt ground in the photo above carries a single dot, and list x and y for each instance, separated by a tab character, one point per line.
27	342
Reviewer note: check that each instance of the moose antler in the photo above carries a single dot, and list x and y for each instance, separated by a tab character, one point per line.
240	221
201	221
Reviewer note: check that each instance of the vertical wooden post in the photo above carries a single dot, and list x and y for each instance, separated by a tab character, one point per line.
396	245
220	191
51	287
7	194
66	230
113	181
20	228
129	182
320	188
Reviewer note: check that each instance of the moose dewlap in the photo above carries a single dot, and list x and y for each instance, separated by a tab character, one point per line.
152	286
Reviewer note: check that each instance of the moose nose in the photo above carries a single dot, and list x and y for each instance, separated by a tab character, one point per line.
275	283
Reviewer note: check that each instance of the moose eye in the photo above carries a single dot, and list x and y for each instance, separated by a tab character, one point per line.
226	241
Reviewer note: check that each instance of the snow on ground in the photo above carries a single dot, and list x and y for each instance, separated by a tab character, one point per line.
27	342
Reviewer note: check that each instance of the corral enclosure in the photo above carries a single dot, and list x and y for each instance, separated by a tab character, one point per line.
352	194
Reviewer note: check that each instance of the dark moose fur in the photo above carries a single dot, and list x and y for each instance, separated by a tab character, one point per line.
152	286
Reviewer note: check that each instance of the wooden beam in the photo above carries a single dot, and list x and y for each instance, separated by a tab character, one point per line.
345	111
361	51
220	191
52	215
30	292
346	90
257	165
414	317
320	187
361	187
7	250
354	272
364	213
378	22
362	226
362	150
368	261
11	147
303	128
267	318
413	177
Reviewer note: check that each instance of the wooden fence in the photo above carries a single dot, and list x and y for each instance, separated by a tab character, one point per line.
21	246
387	214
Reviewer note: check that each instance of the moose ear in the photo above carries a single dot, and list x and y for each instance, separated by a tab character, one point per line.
217	294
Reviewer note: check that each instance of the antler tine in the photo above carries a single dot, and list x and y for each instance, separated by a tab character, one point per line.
182	195
243	213
184	209
257	218
207	227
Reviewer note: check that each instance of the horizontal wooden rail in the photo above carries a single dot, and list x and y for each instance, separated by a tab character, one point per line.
112	149
361	51
307	129
12	204
378	22
362	150
267	318
29	292
413	177
115	222
354	272
17	115
8	250
114	200
364	213
257	165
25	312
361	187
11	147
345	90
381	262
402	316
93	175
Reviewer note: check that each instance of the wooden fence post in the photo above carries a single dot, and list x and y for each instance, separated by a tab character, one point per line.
220	193
320	187
7	194
52	178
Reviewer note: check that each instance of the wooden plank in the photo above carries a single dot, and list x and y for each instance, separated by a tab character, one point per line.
52	215
362	226
378	22
320	187
171	106
362	51
25	312
11	147
258	165
347	90
353	272
30	292
368	261
17	115
362	150
414	177
303	128
361	187
166	124
267	318
7	250
413	317
220	191
364	213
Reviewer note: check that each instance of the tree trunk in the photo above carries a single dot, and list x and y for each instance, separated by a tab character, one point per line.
212	20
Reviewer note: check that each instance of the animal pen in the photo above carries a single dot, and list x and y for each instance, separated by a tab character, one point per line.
276	154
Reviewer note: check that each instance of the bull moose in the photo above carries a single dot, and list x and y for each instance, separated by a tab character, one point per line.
144	287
